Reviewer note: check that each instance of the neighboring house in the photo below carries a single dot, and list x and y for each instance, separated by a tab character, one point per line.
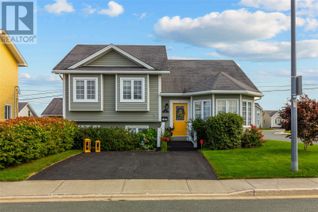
10	61
54	108
258	116
25	110
138	87
271	119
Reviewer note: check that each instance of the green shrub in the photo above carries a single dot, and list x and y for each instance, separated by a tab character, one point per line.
252	137
117	139
200	126
224	131
26	139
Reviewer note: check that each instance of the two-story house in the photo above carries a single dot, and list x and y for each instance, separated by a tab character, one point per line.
138	87
10	61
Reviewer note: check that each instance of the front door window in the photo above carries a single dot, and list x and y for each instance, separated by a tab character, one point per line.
180	113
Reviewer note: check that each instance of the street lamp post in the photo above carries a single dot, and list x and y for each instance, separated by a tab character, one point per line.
294	145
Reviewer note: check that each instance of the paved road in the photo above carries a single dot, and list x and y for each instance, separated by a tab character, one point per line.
130	165
282	205
275	135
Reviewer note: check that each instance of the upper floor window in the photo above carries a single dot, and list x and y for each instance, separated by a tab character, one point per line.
247	112
227	106
132	89
202	109
7	112
85	89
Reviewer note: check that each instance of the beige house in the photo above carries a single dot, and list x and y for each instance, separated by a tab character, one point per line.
271	119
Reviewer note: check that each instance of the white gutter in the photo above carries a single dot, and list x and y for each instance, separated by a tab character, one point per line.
252	93
107	72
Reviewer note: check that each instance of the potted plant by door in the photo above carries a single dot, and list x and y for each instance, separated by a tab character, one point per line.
165	138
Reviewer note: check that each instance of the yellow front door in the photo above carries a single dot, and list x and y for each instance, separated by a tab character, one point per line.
180	119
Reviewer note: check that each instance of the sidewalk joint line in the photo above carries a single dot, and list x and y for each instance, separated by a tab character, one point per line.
57	187
189	187
123	187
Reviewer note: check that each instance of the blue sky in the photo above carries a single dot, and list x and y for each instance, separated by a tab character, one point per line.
254	33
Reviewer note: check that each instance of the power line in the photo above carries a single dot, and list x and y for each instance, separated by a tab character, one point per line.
42	97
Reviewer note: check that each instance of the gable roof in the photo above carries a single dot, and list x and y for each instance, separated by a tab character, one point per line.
154	56
271	112
205	75
22	105
4	38
54	108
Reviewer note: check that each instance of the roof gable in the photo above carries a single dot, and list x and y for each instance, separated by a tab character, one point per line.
54	108
112	59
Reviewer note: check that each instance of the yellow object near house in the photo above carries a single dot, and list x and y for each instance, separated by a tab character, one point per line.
180	119
97	146
87	145
10	60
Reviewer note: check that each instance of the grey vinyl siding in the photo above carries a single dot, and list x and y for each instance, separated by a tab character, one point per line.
250	98
137	106
113	59
83	106
153	125
110	115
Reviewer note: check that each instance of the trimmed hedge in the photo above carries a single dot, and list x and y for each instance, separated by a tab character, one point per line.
26	139
117	139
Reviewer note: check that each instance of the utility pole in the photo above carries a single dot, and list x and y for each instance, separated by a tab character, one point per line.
294	144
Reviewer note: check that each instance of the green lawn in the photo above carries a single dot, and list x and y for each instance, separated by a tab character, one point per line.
24	171
272	160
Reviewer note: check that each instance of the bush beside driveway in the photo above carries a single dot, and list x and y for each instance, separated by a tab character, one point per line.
272	160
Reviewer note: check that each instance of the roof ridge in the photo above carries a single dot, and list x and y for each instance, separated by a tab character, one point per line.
238	83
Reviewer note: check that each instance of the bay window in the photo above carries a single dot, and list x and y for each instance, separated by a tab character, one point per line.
247	113
227	106
202	109
132	90
85	89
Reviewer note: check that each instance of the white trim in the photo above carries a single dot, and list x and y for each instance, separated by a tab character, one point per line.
102	92
159	99
213	105
191	111
137	127
69	92
64	98
171	102
226	104
9	105
202	107
85	79
104	50
116	93
241	105
132	79
75	71
253	113
252	93
148	93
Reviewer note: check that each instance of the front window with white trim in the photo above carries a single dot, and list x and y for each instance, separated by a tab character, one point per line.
227	106
136	129
85	89
7	112
202	109
247	112
132	89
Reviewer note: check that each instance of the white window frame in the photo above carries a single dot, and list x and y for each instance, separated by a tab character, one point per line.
132	79
5	112
227	105
202	108
85	79
136	127
247	115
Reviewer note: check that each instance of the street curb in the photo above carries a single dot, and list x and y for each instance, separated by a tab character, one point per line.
245	194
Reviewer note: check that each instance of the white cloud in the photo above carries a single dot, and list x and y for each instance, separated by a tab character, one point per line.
88	10
311	24
267	51
278	5
140	16
114	9
25	76
60	6
227	26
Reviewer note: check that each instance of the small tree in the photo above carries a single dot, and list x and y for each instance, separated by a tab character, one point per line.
307	119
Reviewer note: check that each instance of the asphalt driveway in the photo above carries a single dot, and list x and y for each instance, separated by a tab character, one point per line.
130	165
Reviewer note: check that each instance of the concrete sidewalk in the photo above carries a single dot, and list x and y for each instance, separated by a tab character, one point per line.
154	189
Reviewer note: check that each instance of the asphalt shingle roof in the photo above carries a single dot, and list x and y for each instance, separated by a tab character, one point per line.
271	112
203	75
54	108
155	56
22	105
